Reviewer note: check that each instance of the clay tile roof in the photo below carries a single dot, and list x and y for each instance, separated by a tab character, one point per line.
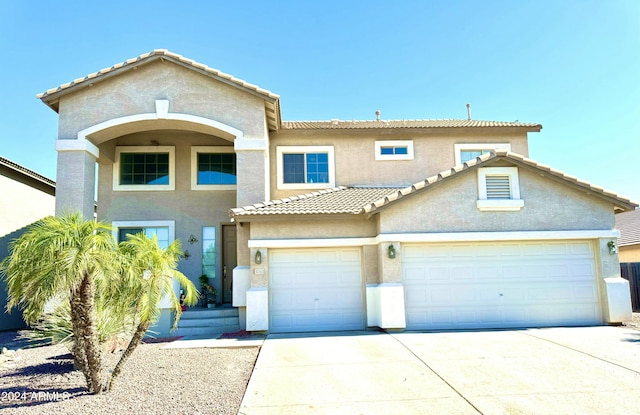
157	54
6	163
629	225
357	200
339	200
621	202
381	124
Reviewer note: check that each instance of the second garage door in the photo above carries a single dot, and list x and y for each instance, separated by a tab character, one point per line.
315	290
500	284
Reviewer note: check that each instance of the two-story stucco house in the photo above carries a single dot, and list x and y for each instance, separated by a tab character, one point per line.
337	225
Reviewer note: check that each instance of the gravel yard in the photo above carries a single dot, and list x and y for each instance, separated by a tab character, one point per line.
42	380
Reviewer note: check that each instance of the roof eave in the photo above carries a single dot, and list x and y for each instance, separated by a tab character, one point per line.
244	218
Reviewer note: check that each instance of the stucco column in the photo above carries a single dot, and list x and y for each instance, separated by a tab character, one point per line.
615	293
385	300
76	177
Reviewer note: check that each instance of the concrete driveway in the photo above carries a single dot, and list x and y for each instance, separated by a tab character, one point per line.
592	370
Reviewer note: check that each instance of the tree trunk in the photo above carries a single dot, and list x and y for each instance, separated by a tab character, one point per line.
89	335
78	350
135	341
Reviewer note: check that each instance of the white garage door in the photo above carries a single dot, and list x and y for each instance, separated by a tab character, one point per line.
500	284
315	290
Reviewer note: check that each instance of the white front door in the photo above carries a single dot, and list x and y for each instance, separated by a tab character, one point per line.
500	284
315	290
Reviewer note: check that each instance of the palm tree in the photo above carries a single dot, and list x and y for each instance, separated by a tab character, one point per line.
68	269
60	259
147	273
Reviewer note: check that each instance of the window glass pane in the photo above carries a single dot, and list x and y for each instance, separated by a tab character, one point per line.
293	168
162	233
317	168
209	251
123	232
144	168
386	150
216	168
400	150
467	155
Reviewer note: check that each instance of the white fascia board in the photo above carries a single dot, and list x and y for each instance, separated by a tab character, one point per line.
433	237
496	236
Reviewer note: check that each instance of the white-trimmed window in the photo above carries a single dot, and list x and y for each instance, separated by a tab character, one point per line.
209	251
394	150
499	189
164	229
213	168
145	168
305	167
466	152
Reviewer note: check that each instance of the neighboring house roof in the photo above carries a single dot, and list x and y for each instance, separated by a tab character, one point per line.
51	97
24	175
368	200
378	124
629	225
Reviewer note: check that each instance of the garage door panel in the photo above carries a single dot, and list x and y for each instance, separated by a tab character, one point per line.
316	290
498	284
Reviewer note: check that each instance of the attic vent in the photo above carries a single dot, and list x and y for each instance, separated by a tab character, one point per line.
498	186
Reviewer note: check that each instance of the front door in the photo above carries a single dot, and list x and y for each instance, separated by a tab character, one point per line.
229	261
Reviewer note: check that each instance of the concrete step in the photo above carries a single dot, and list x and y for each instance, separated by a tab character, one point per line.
204	313
205	331
208	322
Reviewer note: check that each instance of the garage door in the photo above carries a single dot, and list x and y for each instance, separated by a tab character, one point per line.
500	284
315	290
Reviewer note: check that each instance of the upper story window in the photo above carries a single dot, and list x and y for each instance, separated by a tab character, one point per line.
394	150
499	189
305	167
466	152
213	168
144	168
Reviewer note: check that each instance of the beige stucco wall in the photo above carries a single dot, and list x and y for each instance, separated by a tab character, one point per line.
629	253
294	228
191	210
135	91
22	205
355	152
548	206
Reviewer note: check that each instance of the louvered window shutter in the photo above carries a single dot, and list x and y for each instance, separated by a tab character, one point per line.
498	186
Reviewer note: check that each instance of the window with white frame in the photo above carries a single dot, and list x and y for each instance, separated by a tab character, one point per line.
499	189
213	168
163	230
305	167
466	152
144	168
394	150
209	251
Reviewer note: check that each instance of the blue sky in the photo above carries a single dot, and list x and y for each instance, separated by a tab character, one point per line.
572	65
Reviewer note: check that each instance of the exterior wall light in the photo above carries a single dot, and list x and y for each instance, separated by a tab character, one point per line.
258	257
612	248
192	239
391	251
